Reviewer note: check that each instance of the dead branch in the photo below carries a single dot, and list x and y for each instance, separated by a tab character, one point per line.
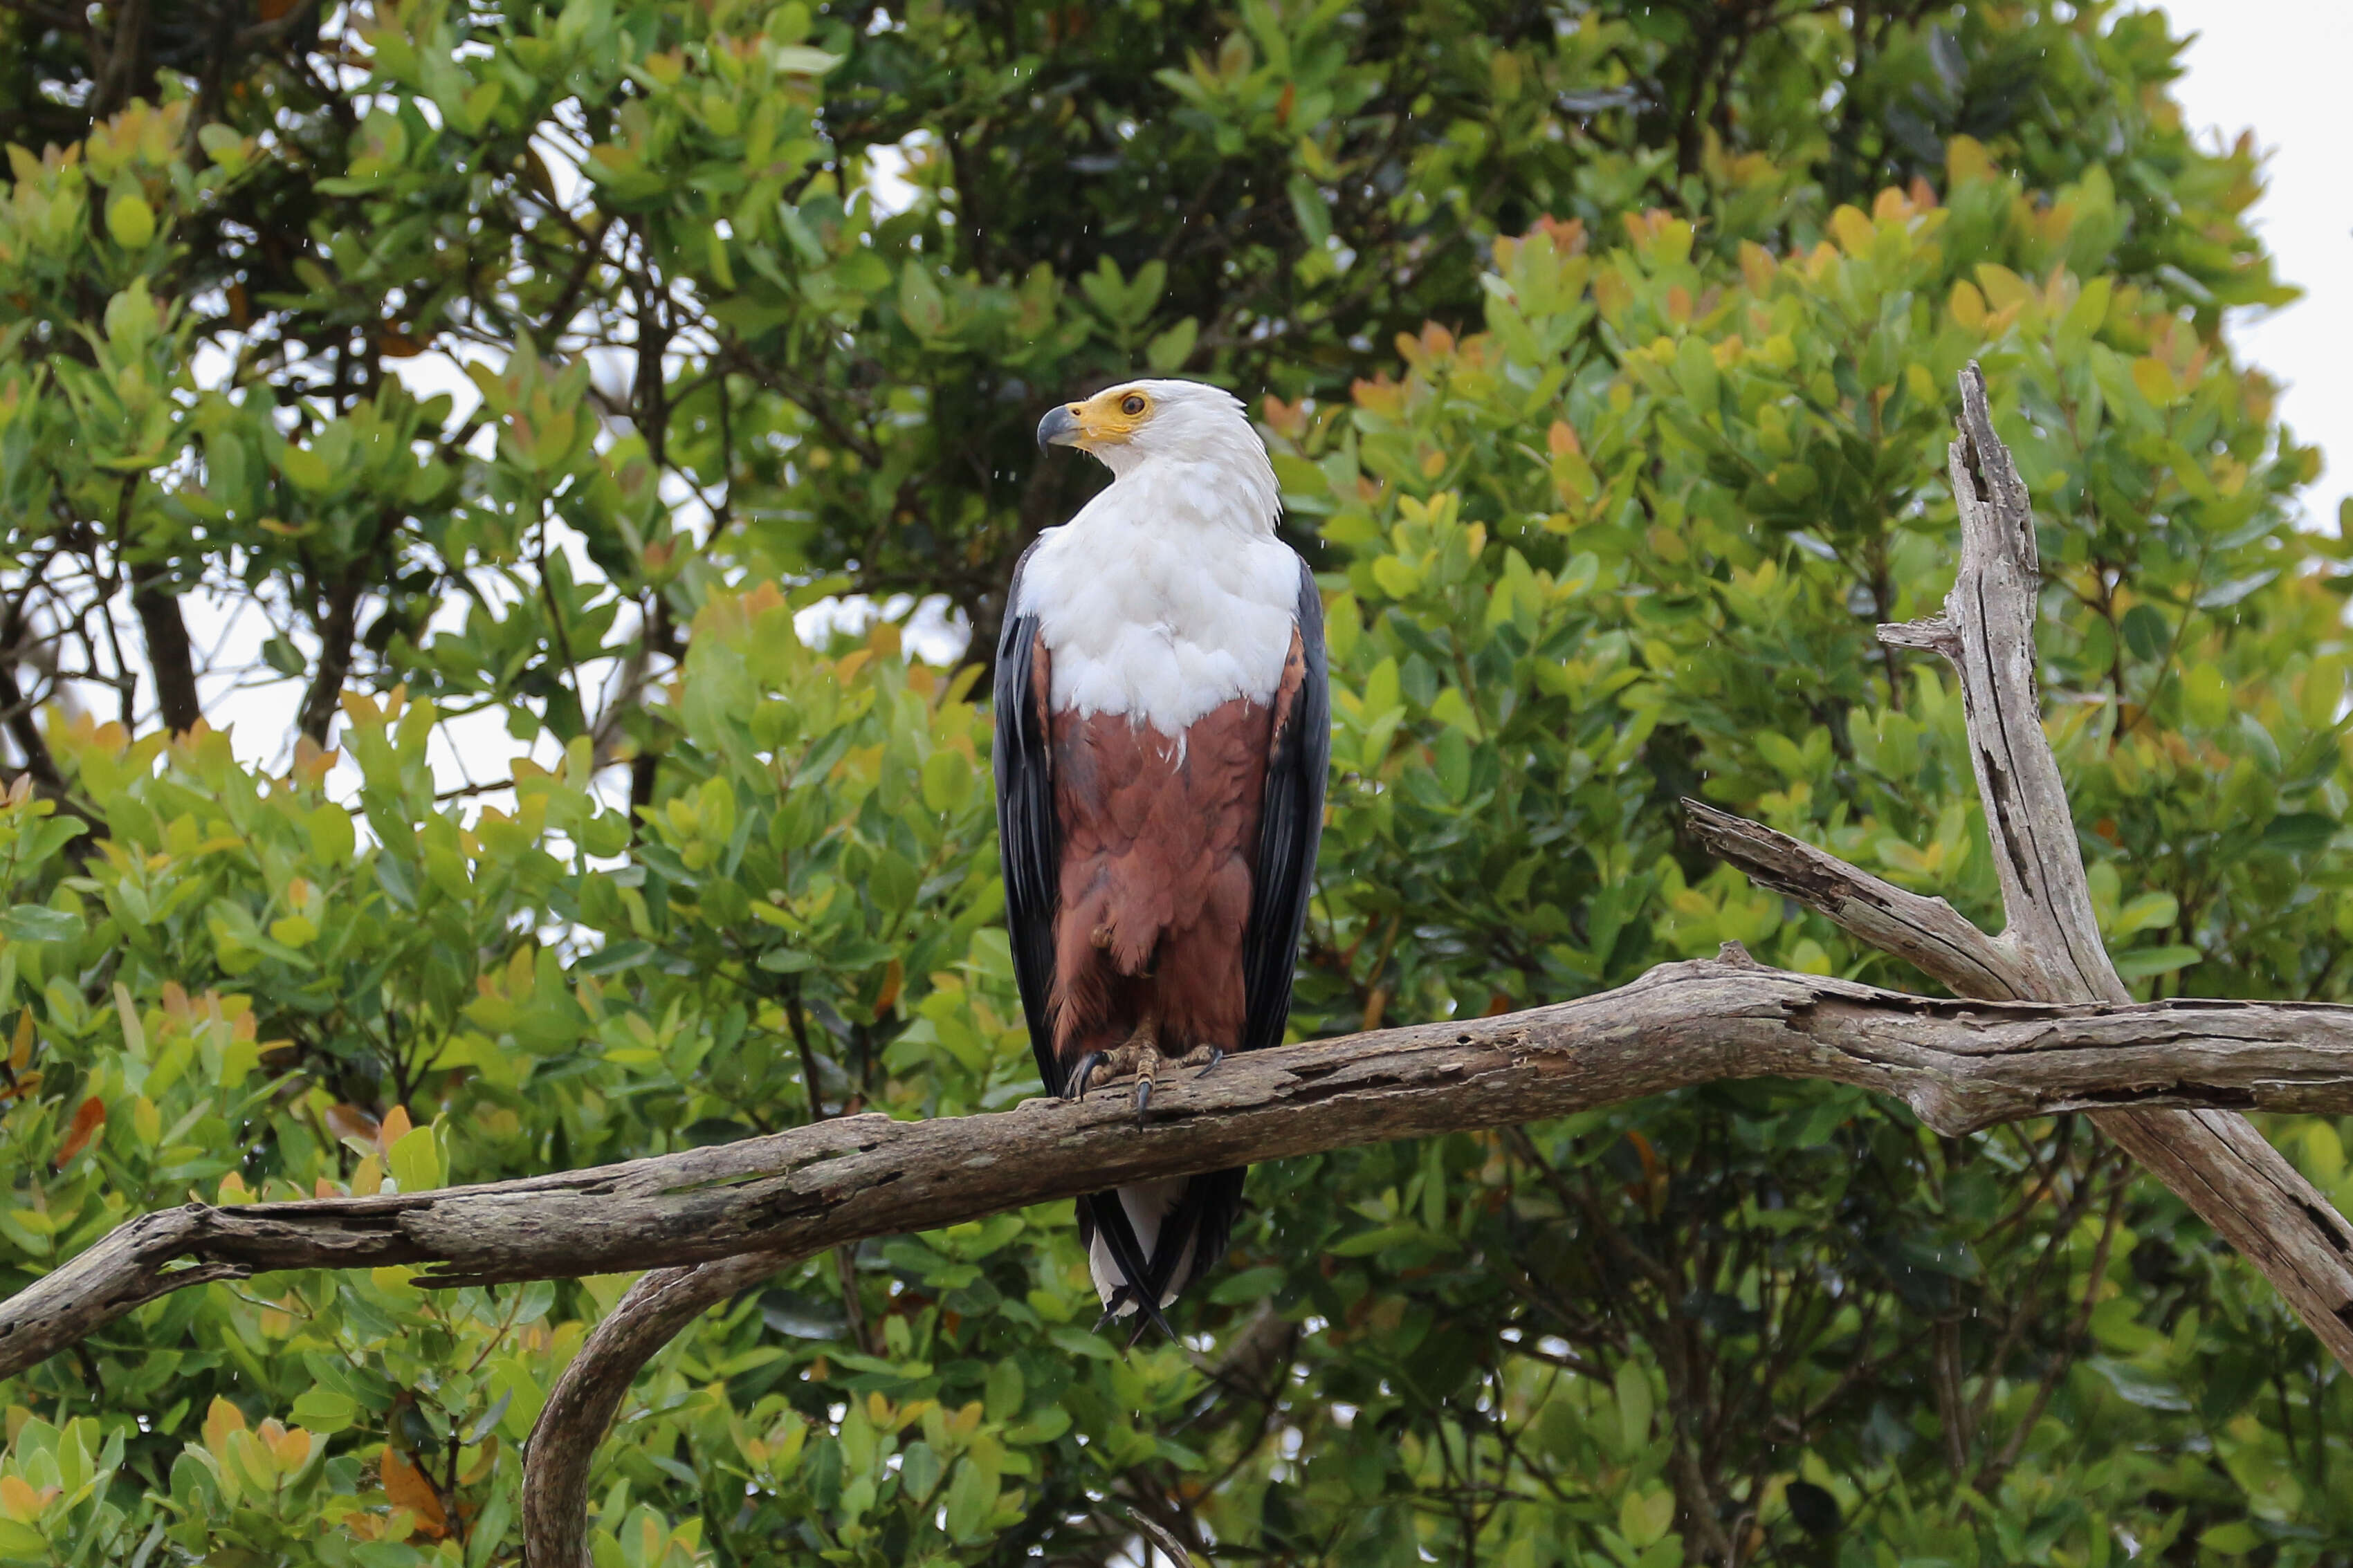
1959	1065
2052	951
587	1397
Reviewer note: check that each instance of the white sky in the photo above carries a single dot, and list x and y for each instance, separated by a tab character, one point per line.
2283	67
2279	66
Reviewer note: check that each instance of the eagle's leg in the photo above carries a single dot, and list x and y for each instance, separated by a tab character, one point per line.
1140	1057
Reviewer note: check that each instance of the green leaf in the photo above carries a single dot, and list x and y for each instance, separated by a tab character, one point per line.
2234	1538
921	302
323	1412
1645	1517
919	1471
415	1161
1005	1391
1633	1393
306	469
284	658
131	221
39	922
1248	1285
2144	631
1168	351
802	60
224	147
947	781
2139	963
1364	1244
1313	213
331	835
971	1500
2139	1386
2299	832
1079	1342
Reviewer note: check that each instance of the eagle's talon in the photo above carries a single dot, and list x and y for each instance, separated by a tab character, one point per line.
1216	1055
1077	1083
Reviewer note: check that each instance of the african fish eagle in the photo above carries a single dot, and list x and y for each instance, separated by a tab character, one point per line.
1163	727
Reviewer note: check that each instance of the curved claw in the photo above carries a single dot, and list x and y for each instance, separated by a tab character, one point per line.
1216	1055
1142	1098
1076	1084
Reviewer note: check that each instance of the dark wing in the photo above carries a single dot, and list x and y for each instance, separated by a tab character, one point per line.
1289	825
1029	845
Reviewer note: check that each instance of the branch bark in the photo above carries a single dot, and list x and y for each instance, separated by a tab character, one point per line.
1960	1065
169	652
2051	950
588	1396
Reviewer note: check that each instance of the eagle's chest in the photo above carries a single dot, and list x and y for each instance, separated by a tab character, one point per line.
1161	625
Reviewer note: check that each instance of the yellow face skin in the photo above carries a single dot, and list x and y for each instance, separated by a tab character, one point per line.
1107	419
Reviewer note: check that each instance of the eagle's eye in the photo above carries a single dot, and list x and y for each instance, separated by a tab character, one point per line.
1132	405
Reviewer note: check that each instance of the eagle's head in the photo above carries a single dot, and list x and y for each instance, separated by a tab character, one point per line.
1125	425
1172	443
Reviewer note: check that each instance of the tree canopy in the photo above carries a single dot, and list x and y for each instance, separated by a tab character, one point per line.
1605	351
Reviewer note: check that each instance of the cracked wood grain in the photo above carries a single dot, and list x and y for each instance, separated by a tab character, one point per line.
2051	950
582	1405
1959	1064
1929	933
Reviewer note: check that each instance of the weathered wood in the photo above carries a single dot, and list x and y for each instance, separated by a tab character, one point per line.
1928	933
2214	1160
1960	1065
2221	1165
582	1405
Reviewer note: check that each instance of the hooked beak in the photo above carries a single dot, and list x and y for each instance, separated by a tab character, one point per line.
1059	429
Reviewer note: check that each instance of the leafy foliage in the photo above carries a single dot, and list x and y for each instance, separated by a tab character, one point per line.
1604	354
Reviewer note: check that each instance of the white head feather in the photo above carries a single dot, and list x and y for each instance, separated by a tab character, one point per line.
1182	424
1169	593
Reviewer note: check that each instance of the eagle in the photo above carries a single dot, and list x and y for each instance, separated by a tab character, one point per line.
1163	725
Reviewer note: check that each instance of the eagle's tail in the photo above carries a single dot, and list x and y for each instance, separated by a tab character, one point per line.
1147	1242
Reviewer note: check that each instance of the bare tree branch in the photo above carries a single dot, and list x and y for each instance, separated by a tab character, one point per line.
168	651
587	1397
1927	933
2213	1159
1960	1066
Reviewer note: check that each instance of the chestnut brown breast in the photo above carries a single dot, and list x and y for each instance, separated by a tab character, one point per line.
1159	844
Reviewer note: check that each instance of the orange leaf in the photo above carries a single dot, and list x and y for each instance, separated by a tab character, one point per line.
396	1126
86	1122
220	1420
290	1449
405	1485
18	1500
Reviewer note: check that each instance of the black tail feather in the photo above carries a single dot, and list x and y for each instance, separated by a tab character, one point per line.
1104	1214
1203	1215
